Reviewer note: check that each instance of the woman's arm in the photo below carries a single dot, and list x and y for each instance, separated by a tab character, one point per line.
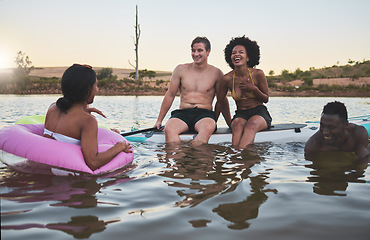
261	91
222	104
89	146
90	110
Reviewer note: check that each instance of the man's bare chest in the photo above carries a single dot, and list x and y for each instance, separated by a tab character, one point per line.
198	85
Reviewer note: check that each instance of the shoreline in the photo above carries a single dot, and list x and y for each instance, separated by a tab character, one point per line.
109	92
157	86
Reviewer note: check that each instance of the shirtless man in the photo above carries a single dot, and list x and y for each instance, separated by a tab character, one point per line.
337	135
197	82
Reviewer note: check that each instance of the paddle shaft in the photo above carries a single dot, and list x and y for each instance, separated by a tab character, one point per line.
139	131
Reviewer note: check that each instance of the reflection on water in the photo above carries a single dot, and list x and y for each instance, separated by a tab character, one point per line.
79	226
200	173
182	192
332	171
65	192
74	192
238	213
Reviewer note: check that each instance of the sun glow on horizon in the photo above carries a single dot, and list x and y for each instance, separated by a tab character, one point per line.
5	61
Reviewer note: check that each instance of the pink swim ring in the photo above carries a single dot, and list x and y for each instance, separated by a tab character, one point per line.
26	141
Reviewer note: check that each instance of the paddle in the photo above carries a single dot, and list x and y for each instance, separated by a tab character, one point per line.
141	131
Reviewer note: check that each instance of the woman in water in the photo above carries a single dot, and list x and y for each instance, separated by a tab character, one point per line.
249	89
70	120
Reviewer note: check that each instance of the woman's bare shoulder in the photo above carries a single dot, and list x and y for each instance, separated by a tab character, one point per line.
88	123
259	72
229	75
53	107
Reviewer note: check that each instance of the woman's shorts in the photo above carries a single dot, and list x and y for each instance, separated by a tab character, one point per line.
260	110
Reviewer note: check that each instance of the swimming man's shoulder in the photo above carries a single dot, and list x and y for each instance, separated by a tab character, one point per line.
314	143
358	131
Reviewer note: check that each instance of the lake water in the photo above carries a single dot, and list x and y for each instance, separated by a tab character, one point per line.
212	192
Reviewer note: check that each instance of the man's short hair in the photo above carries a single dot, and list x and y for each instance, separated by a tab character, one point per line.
203	40
337	108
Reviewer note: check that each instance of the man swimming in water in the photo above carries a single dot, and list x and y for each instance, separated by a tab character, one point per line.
337	135
197	83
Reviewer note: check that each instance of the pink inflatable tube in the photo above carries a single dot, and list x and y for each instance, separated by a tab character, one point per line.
26	141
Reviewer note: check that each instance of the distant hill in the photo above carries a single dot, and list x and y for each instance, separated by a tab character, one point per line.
58	72
348	80
50	72
357	74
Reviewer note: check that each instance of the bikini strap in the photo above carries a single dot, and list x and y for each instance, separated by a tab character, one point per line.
250	75
234	80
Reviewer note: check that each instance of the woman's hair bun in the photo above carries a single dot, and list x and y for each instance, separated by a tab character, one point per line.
63	104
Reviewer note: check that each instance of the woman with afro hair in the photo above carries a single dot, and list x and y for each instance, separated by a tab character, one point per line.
249	89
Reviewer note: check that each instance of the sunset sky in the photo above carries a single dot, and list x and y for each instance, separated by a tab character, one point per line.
291	33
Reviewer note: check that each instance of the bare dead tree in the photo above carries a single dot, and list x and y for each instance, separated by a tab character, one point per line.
136	42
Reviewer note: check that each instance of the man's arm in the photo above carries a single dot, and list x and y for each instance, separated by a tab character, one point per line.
169	96
361	138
